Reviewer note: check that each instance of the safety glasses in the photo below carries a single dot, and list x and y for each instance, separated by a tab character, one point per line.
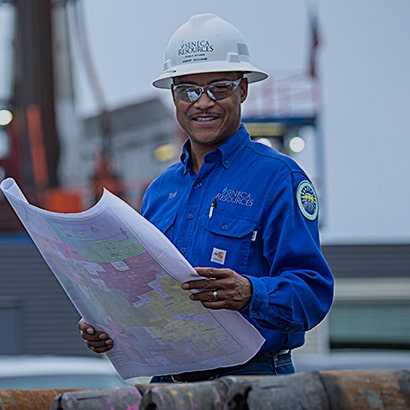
216	91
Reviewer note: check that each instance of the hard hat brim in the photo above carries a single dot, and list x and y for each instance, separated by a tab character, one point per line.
253	73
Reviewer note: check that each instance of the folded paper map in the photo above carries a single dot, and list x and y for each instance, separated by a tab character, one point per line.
124	277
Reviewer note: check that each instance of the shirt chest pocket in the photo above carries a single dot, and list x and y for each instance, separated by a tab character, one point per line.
229	241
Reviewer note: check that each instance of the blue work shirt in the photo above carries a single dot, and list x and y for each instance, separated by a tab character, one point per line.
254	210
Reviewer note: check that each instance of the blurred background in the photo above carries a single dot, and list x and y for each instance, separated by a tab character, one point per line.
78	113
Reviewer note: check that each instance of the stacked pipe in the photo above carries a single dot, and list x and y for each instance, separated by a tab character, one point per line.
319	390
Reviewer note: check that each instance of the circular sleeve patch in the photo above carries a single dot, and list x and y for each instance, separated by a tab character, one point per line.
307	200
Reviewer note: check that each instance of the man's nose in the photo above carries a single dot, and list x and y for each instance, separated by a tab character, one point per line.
204	100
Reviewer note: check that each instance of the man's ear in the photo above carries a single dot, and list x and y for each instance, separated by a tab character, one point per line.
172	92
243	87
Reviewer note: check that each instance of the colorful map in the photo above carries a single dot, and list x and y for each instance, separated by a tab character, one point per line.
123	276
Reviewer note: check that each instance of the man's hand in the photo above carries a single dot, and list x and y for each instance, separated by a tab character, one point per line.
220	289
98	342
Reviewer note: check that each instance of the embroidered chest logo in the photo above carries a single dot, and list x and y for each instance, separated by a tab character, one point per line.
235	197
307	200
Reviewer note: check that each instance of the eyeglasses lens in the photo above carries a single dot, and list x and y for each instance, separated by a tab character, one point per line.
216	91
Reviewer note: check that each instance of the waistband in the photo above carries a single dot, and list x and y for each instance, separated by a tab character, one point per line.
204	375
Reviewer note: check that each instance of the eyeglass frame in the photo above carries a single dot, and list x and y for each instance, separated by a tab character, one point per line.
204	88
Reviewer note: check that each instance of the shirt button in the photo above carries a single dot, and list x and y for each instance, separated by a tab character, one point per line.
224	227
198	185
183	250
190	216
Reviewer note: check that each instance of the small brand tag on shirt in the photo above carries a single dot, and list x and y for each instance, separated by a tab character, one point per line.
218	256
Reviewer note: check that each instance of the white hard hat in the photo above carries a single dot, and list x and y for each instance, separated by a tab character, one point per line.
204	44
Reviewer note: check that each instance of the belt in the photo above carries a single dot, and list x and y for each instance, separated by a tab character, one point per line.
211	374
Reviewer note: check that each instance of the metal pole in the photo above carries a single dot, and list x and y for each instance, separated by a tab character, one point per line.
34	86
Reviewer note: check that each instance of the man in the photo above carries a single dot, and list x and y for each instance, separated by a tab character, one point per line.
245	215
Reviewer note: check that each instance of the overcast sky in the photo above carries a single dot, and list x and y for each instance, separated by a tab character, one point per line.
364	66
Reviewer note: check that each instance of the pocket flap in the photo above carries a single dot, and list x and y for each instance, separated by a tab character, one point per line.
164	223
228	226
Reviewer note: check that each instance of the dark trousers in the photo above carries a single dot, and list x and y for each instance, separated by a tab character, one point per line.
261	365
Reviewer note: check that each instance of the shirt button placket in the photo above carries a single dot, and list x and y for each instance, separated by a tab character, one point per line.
190	216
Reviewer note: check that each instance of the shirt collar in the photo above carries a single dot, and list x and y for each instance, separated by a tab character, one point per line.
184	157
228	150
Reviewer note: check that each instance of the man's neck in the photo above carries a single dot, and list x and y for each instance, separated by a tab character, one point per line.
197	158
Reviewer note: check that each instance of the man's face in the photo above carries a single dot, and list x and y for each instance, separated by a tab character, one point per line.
210	123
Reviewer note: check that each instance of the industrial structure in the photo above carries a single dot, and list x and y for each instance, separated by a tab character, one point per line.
56	157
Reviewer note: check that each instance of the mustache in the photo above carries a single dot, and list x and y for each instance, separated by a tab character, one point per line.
205	113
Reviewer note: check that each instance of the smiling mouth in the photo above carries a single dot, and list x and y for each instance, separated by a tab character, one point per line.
205	118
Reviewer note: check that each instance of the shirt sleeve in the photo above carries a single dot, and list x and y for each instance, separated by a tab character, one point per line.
298	292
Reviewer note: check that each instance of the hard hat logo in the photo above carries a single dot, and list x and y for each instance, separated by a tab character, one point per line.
207	43
191	47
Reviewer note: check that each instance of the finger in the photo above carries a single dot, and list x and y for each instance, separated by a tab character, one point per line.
214	272
213	300
203	271
214	305
85	327
99	345
208	272
199	284
100	349
89	333
98	336
210	296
